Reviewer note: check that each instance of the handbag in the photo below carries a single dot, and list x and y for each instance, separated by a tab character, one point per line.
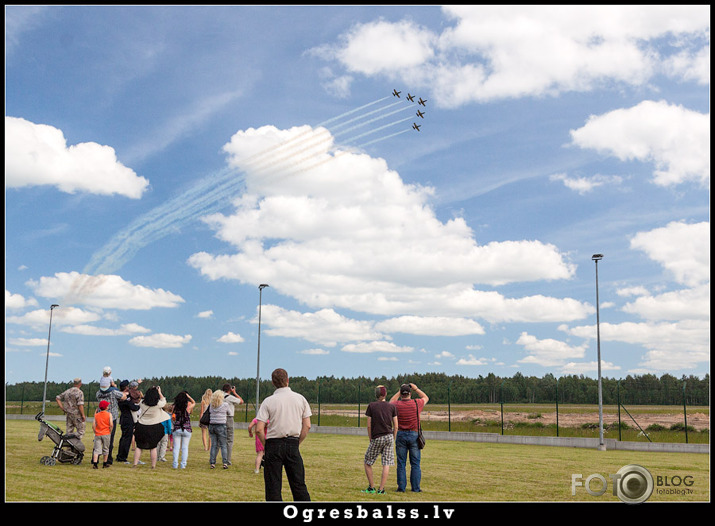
421	440
206	417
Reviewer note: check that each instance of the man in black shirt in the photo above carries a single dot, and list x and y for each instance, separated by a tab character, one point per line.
381	430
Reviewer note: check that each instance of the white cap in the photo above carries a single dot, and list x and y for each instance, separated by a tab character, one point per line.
107	370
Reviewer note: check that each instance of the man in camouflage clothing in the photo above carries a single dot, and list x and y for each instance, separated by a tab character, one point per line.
72	403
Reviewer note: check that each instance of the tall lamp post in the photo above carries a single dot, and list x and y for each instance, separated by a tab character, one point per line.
47	359
258	359
596	258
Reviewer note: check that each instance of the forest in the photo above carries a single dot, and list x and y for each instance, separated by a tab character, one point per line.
441	388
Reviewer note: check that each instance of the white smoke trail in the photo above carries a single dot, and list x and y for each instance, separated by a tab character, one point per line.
213	193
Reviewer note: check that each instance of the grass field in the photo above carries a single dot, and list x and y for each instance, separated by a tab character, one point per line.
452	472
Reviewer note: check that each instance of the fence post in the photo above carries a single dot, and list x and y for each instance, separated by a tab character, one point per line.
501	403
557	407
358	405
685	414
449	406
618	395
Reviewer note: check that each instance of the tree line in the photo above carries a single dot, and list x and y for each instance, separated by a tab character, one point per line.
441	388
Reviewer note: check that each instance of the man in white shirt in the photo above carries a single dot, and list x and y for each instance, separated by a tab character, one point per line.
288	416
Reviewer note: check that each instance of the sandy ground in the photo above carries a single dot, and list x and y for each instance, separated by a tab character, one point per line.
699	421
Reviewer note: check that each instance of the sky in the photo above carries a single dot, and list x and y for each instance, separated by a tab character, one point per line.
163	162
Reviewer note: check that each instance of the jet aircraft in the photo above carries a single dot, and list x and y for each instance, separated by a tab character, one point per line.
411	98
420	114
415	126
396	93
421	101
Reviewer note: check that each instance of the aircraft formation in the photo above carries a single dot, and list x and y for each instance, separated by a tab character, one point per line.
411	98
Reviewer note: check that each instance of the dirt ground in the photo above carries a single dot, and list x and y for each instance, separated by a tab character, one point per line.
699	421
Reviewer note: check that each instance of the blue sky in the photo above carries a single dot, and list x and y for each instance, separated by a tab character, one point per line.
162	162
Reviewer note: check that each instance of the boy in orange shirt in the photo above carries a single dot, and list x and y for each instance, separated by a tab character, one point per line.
102	427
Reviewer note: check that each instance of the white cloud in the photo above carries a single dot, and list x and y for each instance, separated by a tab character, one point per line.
90	330
205	314
583	185
495	52
472	360
430	326
231	337
347	232
682	248
160	341
676	140
61	317
376	347
37	154
104	291
549	352
17	301
382	47
314	352
325	326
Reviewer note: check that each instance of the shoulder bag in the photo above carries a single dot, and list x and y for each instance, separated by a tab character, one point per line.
206	417
420	437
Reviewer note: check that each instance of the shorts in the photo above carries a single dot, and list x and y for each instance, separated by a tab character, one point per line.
381	445
101	445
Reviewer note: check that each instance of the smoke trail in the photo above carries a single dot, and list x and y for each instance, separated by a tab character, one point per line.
213	193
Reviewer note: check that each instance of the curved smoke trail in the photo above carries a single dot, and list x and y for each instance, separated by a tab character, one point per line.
213	193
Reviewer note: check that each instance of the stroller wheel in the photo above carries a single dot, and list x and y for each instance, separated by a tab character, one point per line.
44	459
77	460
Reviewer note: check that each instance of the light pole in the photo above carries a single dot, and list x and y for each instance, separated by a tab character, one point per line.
47	359
596	258
258	359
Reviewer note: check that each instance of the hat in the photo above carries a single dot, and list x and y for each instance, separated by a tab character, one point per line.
107	370
134	384
104	382
123	384
77	380
104	404
405	388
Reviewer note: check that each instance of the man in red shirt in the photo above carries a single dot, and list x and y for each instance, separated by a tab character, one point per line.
408	418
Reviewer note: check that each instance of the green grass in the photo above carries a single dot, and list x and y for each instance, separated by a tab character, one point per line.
452	472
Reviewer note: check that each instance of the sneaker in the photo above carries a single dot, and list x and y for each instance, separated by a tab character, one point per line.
369	489
381	492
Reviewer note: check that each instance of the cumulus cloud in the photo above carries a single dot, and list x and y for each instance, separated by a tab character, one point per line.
38	154
325	326
682	248
161	341
549	352
103	291
493	52
676	327
18	301
347	232
231	337
676	140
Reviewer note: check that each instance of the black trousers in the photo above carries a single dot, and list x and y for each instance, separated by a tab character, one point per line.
125	442
284	453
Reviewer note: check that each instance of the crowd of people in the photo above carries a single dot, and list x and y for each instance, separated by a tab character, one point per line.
147	422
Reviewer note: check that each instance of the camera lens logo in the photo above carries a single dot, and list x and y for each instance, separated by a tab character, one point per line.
634	485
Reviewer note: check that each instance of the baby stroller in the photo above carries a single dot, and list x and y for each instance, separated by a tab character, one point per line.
68	448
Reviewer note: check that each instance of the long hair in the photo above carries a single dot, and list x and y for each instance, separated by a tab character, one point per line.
181	402
206	398
151	397
217	399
